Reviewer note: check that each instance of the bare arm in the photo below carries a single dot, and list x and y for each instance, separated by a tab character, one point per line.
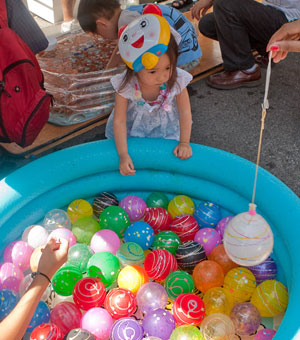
285	40
115	59
183	150
200	8
14	326
120	135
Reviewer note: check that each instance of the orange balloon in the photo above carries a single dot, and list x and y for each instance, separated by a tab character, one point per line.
219	255
208	274
35	258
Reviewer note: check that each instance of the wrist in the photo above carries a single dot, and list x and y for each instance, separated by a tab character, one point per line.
184	142
42	275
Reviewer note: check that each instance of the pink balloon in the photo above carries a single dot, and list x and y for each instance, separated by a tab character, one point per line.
222	224
105	240
97	321
209	238
19	253
63	233
66	315
10	276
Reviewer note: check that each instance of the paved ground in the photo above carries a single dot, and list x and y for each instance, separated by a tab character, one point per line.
230	120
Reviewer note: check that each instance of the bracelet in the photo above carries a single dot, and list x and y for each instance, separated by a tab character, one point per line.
184	143
34	274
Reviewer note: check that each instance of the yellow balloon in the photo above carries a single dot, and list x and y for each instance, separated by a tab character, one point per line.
240	283
181	205
79	208
132	278
217	300
270	298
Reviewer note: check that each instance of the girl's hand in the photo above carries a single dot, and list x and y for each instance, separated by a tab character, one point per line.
126	165
183	151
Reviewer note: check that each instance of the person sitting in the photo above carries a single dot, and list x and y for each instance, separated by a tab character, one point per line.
240	27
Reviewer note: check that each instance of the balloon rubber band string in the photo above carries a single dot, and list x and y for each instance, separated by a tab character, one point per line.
265	106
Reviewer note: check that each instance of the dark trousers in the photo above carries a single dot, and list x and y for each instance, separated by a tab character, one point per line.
241	26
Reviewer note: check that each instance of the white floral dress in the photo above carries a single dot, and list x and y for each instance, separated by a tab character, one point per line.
157	119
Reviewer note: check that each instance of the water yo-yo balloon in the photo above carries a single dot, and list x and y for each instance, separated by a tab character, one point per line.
180	205
248	238
217	326
187	332
151	296
246	318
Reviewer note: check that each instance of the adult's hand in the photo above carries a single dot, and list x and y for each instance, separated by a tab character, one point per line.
285	40
200	8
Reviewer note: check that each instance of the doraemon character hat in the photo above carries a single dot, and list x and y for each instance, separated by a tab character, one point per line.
145	39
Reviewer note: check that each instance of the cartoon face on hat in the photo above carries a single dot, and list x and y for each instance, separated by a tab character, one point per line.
144	40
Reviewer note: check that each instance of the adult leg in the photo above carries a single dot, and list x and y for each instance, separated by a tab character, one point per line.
240	26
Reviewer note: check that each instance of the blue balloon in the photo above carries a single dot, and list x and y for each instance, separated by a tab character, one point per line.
140	233
41	315
207	214
8	301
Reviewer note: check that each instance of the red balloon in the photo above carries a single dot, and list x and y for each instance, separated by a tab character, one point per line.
89	292
120	302
159	264
46	331
66	315
158	218
185	226
188	309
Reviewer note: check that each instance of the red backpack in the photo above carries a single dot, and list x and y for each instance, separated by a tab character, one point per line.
24	104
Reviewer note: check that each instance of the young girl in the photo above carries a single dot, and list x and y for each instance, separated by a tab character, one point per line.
151	101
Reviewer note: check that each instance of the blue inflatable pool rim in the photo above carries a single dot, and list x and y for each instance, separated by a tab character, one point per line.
82	171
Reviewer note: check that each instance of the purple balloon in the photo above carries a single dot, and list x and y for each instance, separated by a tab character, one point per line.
222	224
134	206
266	270
151	296
246	318
126	328
160	323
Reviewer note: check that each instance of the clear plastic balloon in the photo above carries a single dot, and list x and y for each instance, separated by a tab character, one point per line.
246	318
217	326
151	296
35	235
248	238
57	218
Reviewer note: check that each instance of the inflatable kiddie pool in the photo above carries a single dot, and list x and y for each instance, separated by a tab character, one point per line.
82	171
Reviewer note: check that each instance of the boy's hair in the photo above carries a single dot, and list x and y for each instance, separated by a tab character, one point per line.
172	53
91	10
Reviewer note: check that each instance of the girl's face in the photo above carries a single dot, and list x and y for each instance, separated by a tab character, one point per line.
158	75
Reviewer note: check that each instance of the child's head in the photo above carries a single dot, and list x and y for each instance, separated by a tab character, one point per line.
99	17
163	72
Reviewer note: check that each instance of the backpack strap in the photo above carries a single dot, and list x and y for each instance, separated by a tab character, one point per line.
3	14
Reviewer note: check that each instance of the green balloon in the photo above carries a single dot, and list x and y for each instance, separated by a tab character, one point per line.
65	279
166	240
105	266
84	229
79	255
178	282
187	332
114	218
131	253
157	199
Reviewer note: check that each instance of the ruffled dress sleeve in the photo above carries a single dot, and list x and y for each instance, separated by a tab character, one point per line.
182	81
117	81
